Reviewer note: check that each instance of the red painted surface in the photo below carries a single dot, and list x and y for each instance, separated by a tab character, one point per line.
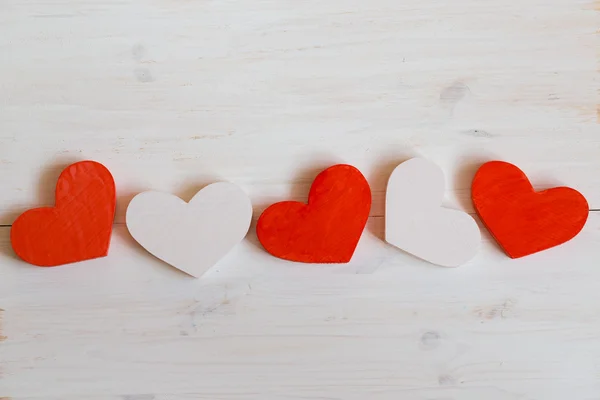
521	220
79	226
326	230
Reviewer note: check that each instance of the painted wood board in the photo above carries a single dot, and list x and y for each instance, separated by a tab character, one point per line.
171	96
385	325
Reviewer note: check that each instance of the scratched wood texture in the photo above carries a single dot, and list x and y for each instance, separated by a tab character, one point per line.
173	95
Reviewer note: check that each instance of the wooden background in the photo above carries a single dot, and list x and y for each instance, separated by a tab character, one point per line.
173	95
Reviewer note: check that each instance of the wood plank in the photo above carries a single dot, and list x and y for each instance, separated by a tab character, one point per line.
174	95
384	326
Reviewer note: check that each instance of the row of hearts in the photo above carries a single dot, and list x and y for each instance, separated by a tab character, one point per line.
194	236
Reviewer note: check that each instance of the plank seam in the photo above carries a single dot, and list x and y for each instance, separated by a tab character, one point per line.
594	210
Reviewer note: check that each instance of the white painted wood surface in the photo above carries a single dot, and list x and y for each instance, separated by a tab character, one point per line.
173	95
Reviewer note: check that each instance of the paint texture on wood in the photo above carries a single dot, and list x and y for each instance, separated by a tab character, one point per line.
328	229
78	228
194	236
2	337
521	220
416	223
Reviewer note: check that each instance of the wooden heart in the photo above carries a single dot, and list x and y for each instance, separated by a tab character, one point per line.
78	228
416	223
191	236
521	220
328	229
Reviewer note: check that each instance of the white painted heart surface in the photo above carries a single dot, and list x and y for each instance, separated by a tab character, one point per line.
191	236
416	223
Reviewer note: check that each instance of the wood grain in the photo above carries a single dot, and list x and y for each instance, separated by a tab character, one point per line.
2	337
384	325
174	95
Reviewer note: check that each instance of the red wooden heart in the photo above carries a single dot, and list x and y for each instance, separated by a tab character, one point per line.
326	230
79	226
521	220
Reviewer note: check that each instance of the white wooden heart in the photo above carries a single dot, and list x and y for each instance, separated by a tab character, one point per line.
191	236
416	223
